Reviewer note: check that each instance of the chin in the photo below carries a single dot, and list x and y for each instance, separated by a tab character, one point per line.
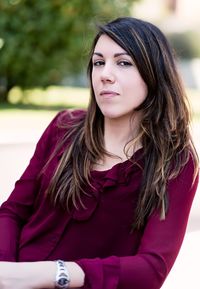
111	115
115	114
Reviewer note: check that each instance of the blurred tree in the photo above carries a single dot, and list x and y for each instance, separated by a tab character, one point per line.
43	41
186	43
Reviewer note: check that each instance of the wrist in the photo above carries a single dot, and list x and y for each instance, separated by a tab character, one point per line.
42	274
76	274
68	275
62	279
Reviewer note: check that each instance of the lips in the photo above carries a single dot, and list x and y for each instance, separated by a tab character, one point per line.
108	93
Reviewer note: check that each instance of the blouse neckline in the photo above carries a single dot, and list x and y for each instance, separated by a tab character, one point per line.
137	154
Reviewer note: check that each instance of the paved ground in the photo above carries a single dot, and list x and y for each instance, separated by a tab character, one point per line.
16	148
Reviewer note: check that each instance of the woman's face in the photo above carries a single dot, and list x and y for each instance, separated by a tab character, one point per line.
116	81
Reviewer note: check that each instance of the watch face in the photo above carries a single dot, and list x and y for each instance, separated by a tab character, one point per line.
63	281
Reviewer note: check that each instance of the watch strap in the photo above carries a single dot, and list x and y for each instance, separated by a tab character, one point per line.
62	275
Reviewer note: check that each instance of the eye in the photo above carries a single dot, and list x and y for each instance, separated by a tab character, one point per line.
98	63
124	63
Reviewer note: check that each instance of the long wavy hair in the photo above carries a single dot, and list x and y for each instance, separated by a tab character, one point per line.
164	128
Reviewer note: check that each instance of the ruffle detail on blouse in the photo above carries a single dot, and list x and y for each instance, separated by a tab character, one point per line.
101	180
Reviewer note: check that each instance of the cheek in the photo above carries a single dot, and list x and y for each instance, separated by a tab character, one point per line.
94	86
137	89
139	84
144	89
94	80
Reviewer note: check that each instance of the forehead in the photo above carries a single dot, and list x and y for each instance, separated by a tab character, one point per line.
106	44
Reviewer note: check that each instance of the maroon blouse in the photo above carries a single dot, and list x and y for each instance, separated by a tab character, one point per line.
97	238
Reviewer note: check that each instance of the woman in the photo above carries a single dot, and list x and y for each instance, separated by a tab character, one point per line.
108	190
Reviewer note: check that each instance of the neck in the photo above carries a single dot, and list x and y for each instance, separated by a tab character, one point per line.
118	132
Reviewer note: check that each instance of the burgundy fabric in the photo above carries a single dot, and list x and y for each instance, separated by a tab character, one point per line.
97	238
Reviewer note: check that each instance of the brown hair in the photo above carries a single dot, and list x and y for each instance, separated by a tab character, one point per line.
164	130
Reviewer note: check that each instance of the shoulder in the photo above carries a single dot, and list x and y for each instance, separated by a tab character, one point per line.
69	116
64	119
188	177
60	123
55	132
190	170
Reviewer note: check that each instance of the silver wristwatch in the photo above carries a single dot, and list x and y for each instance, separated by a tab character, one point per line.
62	276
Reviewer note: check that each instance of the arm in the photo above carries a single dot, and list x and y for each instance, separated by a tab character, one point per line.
15	212
34	275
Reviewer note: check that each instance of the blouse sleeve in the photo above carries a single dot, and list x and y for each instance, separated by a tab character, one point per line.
17	209
158	249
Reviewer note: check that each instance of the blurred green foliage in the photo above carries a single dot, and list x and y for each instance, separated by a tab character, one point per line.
41	42
186	44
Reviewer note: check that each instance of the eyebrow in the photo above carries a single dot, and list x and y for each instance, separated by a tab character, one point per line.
115	55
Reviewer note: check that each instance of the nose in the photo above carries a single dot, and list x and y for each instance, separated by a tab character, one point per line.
107	74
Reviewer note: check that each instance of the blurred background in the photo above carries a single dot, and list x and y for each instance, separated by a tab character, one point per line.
44	48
